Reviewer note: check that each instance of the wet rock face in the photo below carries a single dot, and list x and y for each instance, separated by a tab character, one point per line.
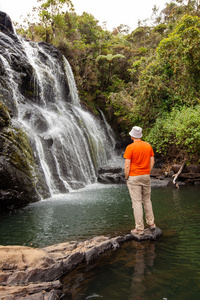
17	179
14	63
16	187
21	180
5	23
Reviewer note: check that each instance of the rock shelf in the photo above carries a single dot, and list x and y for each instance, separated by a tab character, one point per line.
29	273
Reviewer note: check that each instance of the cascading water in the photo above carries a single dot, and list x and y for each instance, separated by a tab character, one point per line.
71	83
69	143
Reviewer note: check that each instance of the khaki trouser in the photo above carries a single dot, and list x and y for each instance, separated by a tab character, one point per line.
140	192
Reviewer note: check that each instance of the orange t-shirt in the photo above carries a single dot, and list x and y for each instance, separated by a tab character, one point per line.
139	153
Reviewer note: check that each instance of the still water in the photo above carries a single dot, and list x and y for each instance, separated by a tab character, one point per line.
166	269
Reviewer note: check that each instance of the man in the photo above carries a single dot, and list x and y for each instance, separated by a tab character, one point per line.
139	161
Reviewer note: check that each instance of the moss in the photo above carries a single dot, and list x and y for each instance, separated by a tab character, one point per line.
29	93
18	151
4	115
93	151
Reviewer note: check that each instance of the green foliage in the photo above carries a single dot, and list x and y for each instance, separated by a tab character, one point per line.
160	28
178	132
51	19
172	79
88	28
123	106
142	50
138	34
143	78
137	67
116	86
109	58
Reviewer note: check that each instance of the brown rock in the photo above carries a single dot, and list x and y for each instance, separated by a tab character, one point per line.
21	258
157	173
187	169
193	168
16	292
72	261
176	168
189	175
44	274
28	273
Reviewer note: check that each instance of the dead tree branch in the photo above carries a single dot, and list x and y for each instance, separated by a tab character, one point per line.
178	173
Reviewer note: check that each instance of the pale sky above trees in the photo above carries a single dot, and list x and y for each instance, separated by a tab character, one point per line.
113	12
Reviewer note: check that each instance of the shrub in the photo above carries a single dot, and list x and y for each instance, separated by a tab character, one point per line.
178	132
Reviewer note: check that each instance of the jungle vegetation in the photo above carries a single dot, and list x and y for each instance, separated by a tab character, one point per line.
149	77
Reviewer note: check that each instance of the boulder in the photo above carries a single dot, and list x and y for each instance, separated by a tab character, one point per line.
108	178
111	174
110	169
17	188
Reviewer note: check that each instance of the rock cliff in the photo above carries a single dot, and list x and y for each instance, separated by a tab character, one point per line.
17	176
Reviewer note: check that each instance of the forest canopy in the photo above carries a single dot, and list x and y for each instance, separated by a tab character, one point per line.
149	77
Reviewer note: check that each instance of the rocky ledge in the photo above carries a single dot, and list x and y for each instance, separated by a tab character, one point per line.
28	273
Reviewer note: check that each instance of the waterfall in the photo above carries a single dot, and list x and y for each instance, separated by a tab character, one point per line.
71	82
69	143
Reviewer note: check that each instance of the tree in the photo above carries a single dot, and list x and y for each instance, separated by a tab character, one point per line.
172	79
109	57
51	15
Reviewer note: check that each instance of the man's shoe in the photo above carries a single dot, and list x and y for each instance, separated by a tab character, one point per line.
152	227
137	231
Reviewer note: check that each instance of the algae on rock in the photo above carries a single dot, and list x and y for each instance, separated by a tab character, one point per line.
19	177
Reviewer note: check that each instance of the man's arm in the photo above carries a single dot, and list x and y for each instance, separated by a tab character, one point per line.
127	166
151	162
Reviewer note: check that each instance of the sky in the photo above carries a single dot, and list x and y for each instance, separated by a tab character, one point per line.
113	12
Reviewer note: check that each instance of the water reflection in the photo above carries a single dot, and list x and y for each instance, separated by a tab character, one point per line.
144	260
117	275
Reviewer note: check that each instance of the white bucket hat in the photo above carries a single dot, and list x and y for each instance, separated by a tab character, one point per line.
136	132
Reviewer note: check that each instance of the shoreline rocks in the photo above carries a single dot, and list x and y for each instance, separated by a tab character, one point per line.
190	175
28	273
